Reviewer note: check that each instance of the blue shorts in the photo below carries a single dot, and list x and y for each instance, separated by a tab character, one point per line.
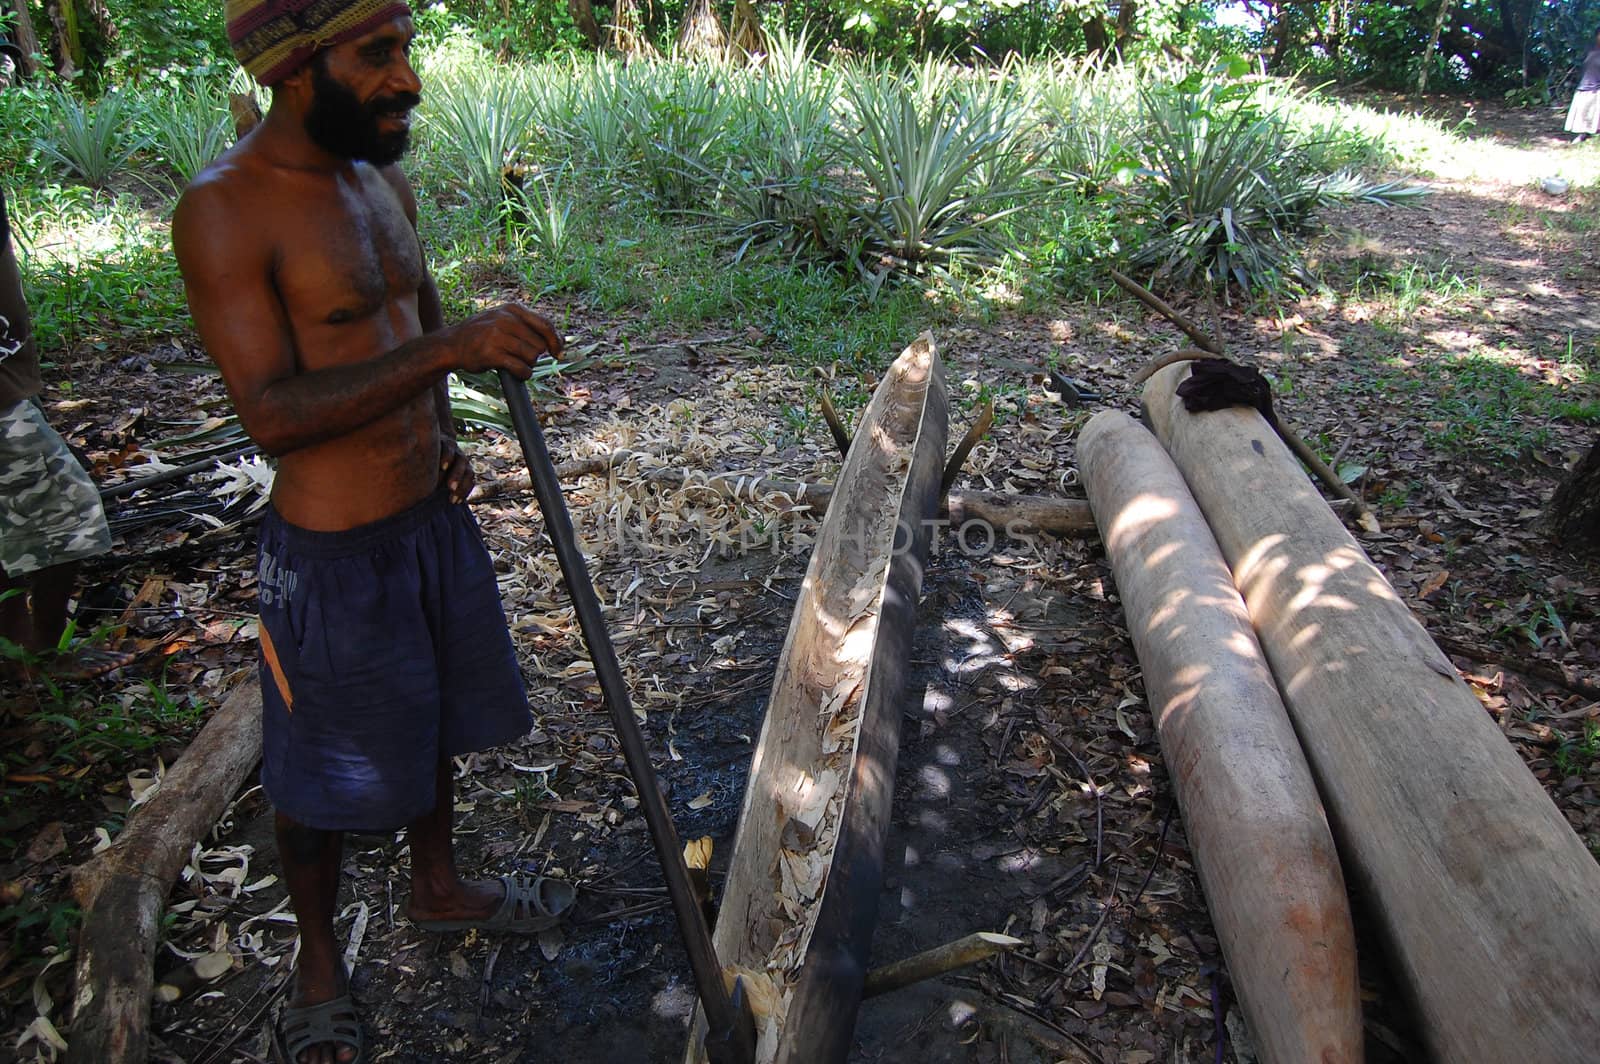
383	649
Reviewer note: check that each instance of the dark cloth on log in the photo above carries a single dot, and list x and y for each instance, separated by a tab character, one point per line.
1216	384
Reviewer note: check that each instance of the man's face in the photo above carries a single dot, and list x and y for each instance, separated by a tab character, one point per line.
367	116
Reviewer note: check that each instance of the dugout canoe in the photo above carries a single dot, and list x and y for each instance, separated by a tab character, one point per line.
801	896
1250	807
1489	902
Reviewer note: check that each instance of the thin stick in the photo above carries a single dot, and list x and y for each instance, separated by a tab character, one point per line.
941	960
958	458
1160	306
1314	462
841	437
1094	788
1171	358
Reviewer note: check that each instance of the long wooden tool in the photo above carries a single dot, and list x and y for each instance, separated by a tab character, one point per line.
1250	807
1489	901
803	885
730	1036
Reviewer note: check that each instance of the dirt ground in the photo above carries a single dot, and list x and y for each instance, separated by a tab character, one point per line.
1031	797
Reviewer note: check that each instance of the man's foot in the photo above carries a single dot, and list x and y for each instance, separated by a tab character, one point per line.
322	1025
516	904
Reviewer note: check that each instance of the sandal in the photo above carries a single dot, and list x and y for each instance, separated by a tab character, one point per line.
531	904
335	1022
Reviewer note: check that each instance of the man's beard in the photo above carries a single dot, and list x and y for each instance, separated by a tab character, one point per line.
342	125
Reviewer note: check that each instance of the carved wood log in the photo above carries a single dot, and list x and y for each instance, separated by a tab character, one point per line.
1489	902
801	897
123	891
1250	807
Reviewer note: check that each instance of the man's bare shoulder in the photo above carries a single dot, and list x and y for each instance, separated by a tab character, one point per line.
396	179
222	208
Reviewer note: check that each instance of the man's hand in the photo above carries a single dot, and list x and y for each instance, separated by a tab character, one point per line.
456	471
509	337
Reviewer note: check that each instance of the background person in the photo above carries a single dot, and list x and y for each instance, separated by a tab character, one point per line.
50	512
1583	117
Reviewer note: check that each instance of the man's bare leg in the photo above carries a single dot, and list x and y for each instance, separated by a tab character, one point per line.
16	623
49	590
310	860
437	891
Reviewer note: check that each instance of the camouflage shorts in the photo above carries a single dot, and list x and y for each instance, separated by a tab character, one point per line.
50	512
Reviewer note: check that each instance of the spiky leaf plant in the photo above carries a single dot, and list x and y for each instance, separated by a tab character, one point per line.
90	141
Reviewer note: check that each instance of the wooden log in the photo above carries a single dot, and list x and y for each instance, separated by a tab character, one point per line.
1250	807
1489	902
1013	516
801	897
123	891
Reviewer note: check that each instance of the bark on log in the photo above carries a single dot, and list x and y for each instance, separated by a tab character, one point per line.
1250	807
1489	901
1575	507
123	891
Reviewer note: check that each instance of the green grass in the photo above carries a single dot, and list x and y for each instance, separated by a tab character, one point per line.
1486	405
1577	753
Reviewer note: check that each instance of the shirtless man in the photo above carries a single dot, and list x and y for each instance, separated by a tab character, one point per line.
384	648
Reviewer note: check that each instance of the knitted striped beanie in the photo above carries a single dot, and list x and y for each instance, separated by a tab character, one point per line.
274	38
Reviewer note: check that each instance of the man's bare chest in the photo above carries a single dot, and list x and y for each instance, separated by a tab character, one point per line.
345	257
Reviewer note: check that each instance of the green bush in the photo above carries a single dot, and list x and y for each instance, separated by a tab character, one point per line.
90	141
189	125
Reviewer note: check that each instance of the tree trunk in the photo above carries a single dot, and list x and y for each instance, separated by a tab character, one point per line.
1488	899
702	36
1127	18
1282	35
66	44
1433	45
1575	507
583	14
749	39
1096	37
27	39
628	38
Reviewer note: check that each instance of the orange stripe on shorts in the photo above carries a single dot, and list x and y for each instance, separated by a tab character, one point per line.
270	652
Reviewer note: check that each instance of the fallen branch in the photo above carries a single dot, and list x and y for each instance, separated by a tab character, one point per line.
123	891
1547	671
1171	358
841	437
1364	515
958	457
1013	515
940	960
1166	310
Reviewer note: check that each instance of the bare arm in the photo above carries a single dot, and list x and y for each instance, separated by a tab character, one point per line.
454	467
430	313
246	331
